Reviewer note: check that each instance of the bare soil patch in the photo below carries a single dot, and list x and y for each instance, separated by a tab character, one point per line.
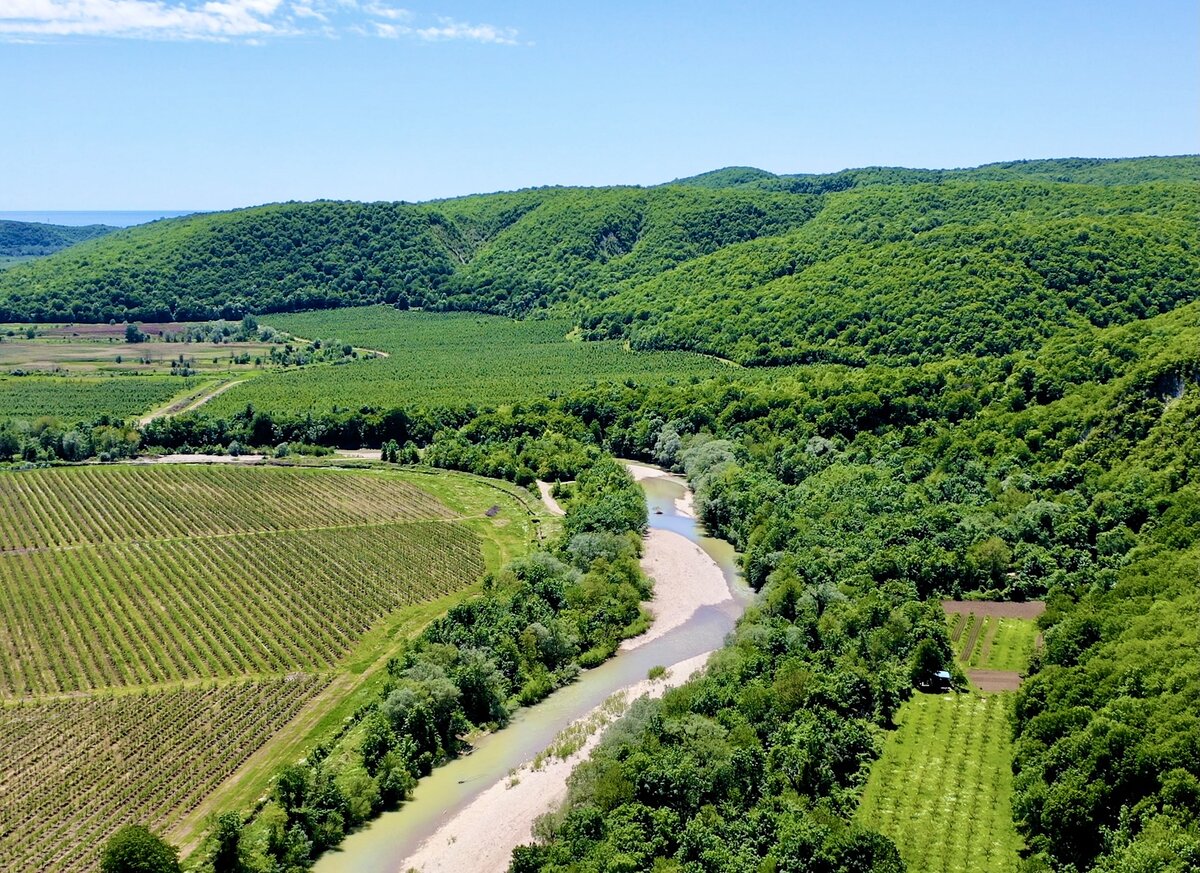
995	680
1030	609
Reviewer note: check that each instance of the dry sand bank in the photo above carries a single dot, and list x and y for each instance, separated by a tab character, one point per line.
481	837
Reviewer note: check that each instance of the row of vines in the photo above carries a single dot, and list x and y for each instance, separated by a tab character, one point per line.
74	770
98	504
143	613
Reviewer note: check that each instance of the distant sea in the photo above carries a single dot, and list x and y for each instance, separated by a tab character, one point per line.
78	218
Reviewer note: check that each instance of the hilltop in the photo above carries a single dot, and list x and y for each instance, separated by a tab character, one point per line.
875	263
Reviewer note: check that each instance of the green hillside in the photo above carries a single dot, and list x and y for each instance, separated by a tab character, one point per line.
22	239
924	271
905	264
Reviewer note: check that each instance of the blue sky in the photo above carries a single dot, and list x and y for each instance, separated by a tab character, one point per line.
208	104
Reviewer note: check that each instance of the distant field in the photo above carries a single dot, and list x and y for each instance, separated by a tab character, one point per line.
448	359
160	624
28	398
942	790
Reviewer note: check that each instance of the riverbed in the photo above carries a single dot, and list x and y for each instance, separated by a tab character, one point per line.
394	841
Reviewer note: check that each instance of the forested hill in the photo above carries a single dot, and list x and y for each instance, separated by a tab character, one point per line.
879	263
26	238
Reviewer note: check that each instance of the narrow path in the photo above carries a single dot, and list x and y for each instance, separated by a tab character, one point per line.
191	402
552	505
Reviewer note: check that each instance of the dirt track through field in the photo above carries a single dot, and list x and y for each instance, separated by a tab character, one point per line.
190	403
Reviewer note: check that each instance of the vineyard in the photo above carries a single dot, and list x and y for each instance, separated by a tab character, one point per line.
160	624
113	504
449	359
27	398
74	770
942	791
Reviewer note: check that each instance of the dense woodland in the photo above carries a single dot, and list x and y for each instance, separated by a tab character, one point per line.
20	239
998	398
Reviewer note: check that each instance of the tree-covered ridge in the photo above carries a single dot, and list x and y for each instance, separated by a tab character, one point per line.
862	257
1084	171
923	272
505	253
578	244
31	239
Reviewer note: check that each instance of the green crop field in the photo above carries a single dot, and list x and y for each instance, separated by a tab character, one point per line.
449	359
942	790
989	642
160	624
76	398
75	769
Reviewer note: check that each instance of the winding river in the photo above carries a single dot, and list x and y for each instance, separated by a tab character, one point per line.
390	841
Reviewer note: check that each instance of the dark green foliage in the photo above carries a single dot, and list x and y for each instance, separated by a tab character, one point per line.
923	272
135	849
870	262
31	239
504	253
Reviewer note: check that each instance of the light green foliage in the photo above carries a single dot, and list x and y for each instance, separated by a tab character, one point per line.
1001	643
447	360
27	398
942	789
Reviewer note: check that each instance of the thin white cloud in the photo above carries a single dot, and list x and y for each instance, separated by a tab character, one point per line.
150	19
391	13
247	21
448	28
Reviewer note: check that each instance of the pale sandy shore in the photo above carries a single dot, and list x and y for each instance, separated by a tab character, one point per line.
359	454
200	459
481	837
686	505
685	579
645	471
548	498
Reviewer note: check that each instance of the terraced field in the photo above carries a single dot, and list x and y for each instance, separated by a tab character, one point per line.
159	624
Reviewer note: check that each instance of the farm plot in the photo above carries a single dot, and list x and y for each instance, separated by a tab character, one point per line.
942	790
89	505
993	636
447	359
160	626
27	398
74	770
148	613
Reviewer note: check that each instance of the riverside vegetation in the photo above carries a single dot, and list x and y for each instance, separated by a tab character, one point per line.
989	390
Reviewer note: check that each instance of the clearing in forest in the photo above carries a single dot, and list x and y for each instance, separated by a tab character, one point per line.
942	790
160	626
993	640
